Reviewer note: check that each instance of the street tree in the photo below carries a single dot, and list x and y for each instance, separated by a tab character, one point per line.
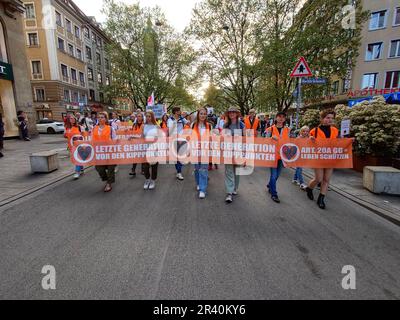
230	53
147	55
313	29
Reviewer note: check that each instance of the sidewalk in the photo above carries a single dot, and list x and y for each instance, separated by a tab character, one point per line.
16	179
349	184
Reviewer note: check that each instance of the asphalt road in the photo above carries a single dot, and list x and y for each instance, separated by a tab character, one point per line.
167	244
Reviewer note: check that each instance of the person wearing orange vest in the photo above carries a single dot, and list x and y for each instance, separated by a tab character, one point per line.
322	176
103	132
137	131
277	132
252	122
201	132
73	133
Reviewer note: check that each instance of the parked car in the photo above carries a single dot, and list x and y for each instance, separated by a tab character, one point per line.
50	126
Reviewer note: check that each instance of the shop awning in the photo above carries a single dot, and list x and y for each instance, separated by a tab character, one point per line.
392	98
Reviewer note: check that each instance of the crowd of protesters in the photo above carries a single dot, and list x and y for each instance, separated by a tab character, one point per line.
103	127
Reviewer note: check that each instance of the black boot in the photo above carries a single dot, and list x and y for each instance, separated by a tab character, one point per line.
321	202
310	194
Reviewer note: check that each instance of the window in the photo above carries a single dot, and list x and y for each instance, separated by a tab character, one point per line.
90	74
392	80
69	25
107	80
88	53
107	63
93	37
98	58
335	87
77	32
71	49
99	77
67	97
369	81
397	17
86	32
30	11
73	76
378	20
36	67
79	54
374	51
395	49
61	44
75	97
33	39
39	94
82	78
58	19
92	96
64	72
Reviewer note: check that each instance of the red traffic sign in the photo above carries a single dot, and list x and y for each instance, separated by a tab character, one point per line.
302	69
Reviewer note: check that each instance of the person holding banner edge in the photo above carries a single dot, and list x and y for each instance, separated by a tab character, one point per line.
322	176
277	132
104	132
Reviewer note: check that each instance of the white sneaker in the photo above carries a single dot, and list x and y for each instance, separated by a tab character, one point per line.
76	175
229	198
294	182
198	188
303	186
202	195
235	193
179	176
152	185
146	185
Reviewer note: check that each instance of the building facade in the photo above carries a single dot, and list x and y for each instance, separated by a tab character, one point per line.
66	58
377	68
15	93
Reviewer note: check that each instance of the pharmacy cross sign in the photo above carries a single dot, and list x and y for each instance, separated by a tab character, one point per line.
301	70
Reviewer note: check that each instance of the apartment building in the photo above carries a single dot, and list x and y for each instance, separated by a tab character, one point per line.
377	69
98	65
66	58
15	93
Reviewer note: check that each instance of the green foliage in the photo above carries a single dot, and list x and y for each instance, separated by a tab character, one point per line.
147	55
311	118
375	125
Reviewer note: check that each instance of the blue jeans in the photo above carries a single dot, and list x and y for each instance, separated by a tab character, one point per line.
179	167
298	176
232	180
78	169
201	174
275	173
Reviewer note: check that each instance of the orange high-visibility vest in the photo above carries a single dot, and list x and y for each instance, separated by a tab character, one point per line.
137	130
285	133
196	131
105	134
69	133
253	127
317	133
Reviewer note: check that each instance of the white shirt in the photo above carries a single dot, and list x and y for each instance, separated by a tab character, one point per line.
176	126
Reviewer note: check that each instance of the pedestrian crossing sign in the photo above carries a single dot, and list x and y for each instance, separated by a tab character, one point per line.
302	69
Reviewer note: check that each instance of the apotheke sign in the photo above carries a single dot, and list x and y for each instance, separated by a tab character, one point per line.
6	71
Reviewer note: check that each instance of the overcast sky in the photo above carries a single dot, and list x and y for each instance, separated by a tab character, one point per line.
178	12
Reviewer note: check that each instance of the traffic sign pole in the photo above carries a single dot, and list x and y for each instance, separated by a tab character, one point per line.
298	104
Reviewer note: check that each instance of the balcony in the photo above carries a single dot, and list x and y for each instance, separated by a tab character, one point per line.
37	76
75	82
65	78
83	84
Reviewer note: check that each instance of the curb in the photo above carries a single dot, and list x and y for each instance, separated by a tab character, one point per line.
386	214
36	189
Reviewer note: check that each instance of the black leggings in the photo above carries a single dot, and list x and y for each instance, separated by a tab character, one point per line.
154	171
